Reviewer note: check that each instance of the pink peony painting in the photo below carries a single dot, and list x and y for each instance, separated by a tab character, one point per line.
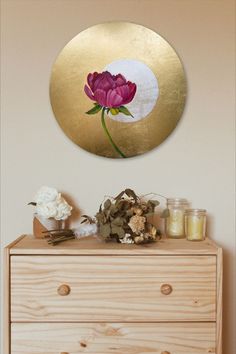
110	94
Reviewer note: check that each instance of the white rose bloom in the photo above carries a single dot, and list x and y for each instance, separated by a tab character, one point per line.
63	209
47	210
46	194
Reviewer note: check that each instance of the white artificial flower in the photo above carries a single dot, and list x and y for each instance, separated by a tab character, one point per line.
50	204
46	194
127	239
47	210
86	230
63	209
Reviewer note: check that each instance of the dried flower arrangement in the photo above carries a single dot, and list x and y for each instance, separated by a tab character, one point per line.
125	219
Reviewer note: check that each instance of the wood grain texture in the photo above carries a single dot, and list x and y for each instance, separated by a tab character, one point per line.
6	296
119	338
219	301
117	288
94	246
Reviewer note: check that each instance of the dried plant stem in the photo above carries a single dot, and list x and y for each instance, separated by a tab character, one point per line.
56	236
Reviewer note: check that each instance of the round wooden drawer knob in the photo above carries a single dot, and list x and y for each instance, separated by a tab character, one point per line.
63	290
64	353
166	289
165	352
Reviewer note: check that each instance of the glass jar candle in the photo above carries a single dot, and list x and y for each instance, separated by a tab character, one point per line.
195	224
175	220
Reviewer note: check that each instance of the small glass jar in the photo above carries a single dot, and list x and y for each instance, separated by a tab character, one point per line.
175	220
195	224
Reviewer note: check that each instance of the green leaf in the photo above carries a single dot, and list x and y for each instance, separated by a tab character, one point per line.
95	109
125	111
165	213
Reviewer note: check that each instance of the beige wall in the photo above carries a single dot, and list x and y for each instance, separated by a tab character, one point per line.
196	161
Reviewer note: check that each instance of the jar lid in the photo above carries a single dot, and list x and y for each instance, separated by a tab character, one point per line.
177	201
196	211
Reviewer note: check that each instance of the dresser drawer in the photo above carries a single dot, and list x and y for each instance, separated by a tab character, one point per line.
119	338
113	288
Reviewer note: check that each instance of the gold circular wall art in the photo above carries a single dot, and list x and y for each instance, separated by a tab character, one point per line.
118	89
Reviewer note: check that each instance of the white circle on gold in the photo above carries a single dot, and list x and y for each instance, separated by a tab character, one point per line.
147	88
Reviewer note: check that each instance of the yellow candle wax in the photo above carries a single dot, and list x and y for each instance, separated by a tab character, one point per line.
195	224
175	223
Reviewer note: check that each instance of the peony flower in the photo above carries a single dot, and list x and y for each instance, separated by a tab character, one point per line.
46	194
109	90
111	93
137	223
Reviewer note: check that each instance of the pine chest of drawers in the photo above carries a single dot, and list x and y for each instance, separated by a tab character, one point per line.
102	298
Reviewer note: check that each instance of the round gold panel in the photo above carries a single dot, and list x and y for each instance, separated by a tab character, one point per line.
92	50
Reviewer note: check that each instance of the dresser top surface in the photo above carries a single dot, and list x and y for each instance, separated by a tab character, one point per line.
27	244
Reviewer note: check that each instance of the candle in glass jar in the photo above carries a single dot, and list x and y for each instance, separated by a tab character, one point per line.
175	220
175	223
195	224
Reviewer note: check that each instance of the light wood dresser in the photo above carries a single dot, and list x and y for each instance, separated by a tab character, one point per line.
103	298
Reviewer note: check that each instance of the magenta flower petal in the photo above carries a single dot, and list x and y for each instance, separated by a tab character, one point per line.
109	90
91	78
89	92
132	92
119	79
105	82
124	92
114	100
100	96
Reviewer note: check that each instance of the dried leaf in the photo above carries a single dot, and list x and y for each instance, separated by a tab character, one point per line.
107	204
118	230
165	213
155	202
118	221
130	193
119	195
87	219
129	213
105	230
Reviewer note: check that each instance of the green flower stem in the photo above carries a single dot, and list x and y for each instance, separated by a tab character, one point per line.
109	136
